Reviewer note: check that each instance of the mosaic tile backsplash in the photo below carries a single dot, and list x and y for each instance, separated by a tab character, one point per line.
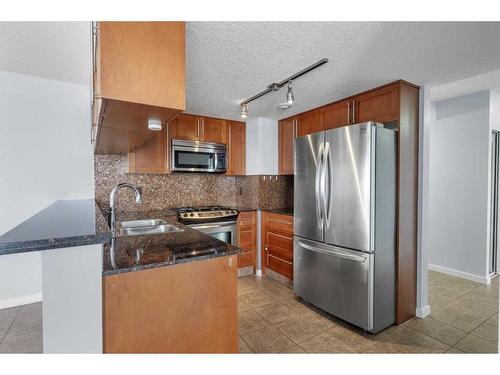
188	189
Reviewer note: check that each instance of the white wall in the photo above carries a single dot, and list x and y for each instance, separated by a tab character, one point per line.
261	150
458	186
45	155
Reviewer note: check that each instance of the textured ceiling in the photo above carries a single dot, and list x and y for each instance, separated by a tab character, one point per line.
56	50
230	61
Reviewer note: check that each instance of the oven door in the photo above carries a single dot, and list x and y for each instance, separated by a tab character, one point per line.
224	231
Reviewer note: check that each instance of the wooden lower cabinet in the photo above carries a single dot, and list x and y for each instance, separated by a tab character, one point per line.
247	239
277	240
185	308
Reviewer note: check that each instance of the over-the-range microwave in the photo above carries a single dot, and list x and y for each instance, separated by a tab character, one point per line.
195	156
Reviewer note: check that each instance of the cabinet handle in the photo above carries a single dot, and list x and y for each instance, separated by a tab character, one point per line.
353	111
95	34
348	112
294	128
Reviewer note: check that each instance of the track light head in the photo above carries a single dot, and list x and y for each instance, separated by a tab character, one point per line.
244	110
290	98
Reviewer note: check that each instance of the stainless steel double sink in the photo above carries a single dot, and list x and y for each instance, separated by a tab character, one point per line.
145	227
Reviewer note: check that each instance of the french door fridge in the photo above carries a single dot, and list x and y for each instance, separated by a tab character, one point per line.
345	223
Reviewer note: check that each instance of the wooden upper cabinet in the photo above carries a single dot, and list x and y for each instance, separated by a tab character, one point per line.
139	74
336	115
309	122
152	156
236	135
185	127
287	132
213	130
380	105
199	128
143	62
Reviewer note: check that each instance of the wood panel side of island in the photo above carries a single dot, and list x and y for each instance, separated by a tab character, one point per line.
185	308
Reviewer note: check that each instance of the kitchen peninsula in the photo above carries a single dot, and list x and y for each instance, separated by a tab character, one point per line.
129	294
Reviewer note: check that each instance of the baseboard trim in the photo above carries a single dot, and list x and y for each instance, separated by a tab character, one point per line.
24	300
258	272
463	275
422	312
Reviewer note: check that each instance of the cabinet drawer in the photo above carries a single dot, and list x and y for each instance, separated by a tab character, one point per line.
279	265
278	240
281	227
246	259
247	218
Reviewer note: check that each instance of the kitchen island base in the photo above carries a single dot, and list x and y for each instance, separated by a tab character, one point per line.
184	308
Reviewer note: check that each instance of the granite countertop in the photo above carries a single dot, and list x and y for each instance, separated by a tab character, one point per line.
244	209
65	223
133	253
282	211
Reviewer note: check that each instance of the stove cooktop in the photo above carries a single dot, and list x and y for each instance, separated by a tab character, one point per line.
206	214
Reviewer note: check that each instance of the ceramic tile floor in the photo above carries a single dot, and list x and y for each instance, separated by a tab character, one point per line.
464	319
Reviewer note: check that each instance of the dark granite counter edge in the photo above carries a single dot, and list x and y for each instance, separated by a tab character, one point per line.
91	215
281	211
49	244
235	251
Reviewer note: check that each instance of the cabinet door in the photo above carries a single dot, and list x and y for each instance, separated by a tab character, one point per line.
309	122
185	127
152	156
213	130
247	238
277	232
379	105
143	62
236	136
335	115
287	132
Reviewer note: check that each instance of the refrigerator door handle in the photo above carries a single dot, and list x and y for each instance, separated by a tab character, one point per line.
327	204
317	188
334	253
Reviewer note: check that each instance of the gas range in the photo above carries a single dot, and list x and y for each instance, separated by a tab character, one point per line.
207	214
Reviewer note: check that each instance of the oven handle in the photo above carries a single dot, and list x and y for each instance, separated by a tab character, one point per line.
218	225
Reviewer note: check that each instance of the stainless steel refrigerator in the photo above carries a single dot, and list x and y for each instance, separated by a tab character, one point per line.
345	223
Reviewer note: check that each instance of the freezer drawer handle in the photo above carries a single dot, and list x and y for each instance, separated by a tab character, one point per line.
354	258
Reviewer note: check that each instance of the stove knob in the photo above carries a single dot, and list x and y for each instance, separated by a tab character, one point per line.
227	212
191	214
184	215
233	212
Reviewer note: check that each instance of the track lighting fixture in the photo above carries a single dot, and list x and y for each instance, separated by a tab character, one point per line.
275	86
244	110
